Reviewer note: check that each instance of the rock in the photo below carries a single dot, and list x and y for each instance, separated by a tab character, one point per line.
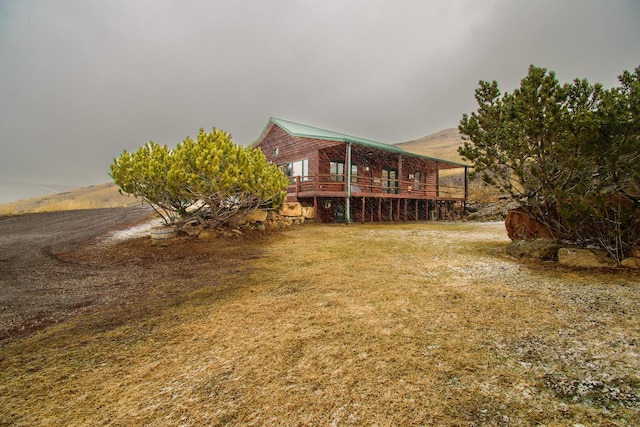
634	252
585	258
632	262
236	232
545	249
204	235
258	215
271	216
260	226
491	211
521	226
291	209
192	230
307	212
488	212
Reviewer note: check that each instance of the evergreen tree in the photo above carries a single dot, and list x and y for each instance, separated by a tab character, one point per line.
568	154
211	179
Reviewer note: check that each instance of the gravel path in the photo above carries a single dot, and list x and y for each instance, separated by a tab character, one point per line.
37	286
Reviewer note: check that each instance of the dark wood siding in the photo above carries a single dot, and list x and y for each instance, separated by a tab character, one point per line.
291	148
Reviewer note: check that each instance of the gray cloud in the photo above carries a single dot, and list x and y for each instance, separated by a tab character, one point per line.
81	81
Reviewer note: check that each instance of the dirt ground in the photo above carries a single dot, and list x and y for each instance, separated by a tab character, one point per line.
39	286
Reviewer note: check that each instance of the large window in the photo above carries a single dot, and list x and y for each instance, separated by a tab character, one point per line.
416	180
299	168
336	170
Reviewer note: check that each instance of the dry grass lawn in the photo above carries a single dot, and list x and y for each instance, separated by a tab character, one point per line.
405	324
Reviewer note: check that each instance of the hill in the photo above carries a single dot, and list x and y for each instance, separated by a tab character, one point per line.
92	197
443	145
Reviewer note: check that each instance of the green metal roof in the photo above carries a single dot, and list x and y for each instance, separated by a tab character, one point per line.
306	131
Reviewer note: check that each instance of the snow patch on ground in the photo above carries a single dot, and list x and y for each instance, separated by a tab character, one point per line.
136	231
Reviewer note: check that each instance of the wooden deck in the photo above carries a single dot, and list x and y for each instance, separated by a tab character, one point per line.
328	186
375	200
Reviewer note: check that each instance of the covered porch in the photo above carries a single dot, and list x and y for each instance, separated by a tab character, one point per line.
362	183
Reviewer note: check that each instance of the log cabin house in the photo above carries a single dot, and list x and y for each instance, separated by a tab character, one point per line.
346	178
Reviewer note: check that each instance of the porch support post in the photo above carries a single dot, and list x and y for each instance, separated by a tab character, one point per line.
466	190
400	175
348	166
363	203
379	209
437	179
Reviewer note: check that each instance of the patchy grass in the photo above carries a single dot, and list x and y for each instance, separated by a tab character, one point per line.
410	324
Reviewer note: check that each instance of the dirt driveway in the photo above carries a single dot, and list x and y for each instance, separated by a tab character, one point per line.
38	285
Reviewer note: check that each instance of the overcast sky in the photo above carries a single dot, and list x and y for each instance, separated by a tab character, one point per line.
81	81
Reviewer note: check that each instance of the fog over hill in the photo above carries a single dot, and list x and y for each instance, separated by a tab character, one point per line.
105	195
11	191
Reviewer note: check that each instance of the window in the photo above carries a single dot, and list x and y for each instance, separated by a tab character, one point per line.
389	180
299	168
336	170
416	180
354	172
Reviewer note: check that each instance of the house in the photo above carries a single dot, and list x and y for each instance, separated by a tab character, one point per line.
346	178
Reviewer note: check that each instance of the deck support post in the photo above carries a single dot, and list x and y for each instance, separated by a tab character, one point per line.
348	166
379	209
466	190
315	209
363	205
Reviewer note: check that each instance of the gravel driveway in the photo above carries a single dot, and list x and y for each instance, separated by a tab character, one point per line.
38	287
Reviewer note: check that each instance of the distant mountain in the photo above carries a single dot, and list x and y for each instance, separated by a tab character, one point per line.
92	197
10	191
443	145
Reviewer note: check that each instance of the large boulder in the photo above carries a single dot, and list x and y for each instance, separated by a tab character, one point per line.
544	249
585	258
522	226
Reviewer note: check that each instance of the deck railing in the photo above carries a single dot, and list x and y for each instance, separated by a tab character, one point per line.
332	185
